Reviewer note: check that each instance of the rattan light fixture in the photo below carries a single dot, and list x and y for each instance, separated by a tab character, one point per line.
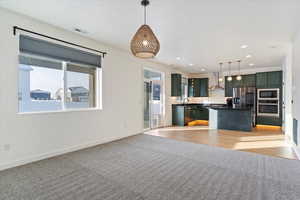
144	44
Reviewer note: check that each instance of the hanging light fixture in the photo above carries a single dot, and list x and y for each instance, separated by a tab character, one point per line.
239	77
229	78
221	75
144	44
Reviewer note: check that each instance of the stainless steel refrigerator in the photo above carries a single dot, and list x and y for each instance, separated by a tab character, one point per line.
245	97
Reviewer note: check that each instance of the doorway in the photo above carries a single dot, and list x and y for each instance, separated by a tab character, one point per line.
153	99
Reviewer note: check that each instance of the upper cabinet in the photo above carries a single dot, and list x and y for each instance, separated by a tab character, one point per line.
198	87
269	79
259	80
275	79
262	80
204	87
176	81
228	87
248	80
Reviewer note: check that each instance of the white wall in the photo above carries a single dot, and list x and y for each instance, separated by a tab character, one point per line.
27	137
296	81
288	94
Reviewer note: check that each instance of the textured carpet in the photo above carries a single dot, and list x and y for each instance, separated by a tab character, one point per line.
152	168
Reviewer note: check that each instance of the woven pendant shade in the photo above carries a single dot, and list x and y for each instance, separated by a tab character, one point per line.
144	44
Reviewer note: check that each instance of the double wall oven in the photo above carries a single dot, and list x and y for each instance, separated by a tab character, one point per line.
268	102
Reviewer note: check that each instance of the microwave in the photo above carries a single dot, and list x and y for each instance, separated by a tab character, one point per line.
268	94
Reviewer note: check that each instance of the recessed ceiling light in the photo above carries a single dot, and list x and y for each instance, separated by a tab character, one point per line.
249	56
251	64
244	46
178	58
203	70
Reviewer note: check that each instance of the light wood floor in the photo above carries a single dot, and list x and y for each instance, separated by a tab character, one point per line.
263	140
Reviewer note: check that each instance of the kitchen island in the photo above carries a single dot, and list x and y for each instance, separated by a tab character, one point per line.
229	118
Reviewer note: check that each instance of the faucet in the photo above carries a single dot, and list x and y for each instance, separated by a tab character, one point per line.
185	100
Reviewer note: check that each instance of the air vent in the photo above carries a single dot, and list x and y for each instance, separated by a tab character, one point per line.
78	30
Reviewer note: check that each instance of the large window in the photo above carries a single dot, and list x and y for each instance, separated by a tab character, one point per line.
54	77
50	85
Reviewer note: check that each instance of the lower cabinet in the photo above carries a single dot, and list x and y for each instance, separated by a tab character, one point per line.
183	114
273	121
178	115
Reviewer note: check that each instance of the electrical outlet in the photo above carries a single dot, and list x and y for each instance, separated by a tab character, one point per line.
6	147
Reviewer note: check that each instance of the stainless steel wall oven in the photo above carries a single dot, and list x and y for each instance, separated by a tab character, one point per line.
268	103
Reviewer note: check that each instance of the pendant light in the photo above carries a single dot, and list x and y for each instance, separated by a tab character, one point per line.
221	75
229	78
239	77
144	44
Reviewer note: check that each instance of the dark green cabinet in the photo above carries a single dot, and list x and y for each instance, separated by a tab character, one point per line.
190	87
198	87
269	79
228	88
204	87
183	114
247	81
275	79
178	115
273	121
176	81
261	80
195	112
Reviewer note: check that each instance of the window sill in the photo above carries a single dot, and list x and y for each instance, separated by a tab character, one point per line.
60	111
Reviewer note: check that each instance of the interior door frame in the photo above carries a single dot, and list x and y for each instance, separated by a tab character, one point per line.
163	94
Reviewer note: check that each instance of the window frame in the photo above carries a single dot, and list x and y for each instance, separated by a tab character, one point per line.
97	88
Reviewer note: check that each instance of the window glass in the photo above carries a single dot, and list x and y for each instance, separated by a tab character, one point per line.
80	87
38	84
156	91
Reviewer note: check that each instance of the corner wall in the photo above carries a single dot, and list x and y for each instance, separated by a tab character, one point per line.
30	137
295	85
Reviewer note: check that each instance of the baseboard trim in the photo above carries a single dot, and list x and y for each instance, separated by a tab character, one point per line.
40	157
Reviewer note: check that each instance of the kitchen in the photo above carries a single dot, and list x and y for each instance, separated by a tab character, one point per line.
236	101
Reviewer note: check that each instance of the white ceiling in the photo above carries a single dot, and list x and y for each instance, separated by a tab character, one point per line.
201	32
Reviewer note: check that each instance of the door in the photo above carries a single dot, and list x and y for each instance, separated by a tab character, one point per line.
147	96
153	99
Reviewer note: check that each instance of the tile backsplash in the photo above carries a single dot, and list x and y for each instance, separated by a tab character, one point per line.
210	100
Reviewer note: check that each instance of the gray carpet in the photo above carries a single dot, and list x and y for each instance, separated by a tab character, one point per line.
151	168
